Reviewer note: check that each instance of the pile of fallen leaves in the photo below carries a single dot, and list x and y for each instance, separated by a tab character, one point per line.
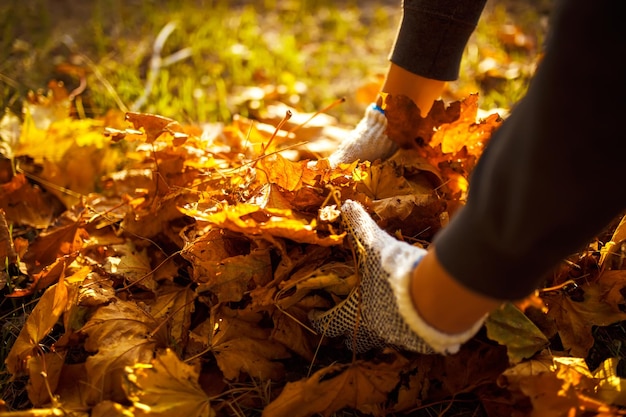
174	267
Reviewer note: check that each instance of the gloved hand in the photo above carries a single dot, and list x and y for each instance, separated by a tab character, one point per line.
367	141
380	310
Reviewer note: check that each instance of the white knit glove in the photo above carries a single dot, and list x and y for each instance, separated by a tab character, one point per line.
380	311
367	141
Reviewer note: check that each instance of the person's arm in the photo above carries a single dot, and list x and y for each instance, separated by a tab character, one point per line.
442	301
427	52
423	91
542	188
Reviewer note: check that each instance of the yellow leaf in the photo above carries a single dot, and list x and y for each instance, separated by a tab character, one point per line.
251	219
611	388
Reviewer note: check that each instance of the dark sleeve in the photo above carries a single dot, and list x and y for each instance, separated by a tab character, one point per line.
552	175
433	34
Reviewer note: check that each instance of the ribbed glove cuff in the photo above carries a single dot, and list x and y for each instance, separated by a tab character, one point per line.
440	342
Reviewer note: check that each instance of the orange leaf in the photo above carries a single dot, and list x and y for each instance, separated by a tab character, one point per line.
154	126
251	219
39	323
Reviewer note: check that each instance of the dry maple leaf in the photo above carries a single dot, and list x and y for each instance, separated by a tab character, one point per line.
121	334
600	307
133	264
556	386
406	125
361	385
56	243
166	387
242	346
228	277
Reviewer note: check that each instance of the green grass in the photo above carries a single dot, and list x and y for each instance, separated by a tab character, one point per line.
311	52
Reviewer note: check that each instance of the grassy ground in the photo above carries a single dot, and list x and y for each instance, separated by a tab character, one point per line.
305	53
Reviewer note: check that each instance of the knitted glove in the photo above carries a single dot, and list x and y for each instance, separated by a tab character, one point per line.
380	311
367	141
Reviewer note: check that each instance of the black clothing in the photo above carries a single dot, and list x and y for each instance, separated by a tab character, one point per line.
433	35
551	176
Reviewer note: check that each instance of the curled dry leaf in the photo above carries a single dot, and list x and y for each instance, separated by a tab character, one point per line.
157	127
252	220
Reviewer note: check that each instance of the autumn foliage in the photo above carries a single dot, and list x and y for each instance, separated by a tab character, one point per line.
174	268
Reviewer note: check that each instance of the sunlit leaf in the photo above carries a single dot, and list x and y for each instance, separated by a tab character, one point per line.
511	328
39	323
119	334
252	220
166	387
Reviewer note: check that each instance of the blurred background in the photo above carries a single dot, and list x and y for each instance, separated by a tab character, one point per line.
206	60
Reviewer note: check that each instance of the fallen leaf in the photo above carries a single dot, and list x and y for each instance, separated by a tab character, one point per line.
242	346
575	318
119	334
133	264
165	387
157	127
38	324
252	220
361	385
511	328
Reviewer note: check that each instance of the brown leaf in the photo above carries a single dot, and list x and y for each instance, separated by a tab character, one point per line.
46	277
44	374
120	334
58	242
575	318
227	276
133	264
406	125
361	385
242	346
155	126
24	203
174	305
166	387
